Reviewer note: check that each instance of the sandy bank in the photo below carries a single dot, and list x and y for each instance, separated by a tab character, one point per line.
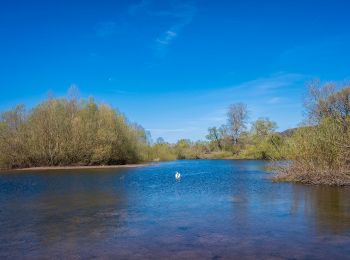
82	167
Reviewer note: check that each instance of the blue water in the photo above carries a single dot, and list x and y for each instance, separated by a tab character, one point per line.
220	209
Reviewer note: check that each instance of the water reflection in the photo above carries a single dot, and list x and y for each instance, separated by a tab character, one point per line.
327	207
64	208
219	209
93	215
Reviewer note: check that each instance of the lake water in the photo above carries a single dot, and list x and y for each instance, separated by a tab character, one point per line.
220	209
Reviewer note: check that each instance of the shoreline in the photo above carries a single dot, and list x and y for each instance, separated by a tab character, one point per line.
47	168
87	167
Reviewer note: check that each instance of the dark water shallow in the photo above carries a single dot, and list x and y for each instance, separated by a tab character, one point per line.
219	210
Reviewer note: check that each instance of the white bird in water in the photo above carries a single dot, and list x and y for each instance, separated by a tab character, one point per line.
177	176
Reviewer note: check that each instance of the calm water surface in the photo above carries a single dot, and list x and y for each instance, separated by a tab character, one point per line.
218	210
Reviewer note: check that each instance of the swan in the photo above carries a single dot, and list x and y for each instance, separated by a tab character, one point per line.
177	176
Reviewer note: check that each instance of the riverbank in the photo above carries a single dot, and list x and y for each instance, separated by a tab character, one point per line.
298	173
47	168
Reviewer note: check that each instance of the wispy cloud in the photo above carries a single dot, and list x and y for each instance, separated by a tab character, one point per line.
181	14
184	15
167	37
275	100
275	81
273	96
260	87
140	6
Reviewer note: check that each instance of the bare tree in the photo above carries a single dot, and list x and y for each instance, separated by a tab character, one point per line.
339	105
237	120
316	102
324	101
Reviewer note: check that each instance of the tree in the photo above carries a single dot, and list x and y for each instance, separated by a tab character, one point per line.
237	120
316	102
66	131
339	106
160	140
13	139
323	101
182	148
262	127
214	135
265	143
319	154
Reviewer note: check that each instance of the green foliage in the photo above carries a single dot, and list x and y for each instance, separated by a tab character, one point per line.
260	143
191	150
183	149
269	147
263	142
163	152
69	132
320	154
219	155
215	136
263	127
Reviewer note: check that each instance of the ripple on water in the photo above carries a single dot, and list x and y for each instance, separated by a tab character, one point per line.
220	209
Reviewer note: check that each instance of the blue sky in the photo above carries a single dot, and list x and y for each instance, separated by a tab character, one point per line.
174	66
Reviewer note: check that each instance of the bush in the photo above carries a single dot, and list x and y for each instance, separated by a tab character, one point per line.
319	155
69	132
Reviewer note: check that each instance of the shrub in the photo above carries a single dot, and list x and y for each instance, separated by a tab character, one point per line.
69	132
320	153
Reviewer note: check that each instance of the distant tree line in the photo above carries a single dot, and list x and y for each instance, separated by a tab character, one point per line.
229	141
235	140
69	131
317	152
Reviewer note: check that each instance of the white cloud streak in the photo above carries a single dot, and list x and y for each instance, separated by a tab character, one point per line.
181	12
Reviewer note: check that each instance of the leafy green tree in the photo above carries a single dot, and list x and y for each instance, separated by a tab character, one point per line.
262	127
215	136
182	148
